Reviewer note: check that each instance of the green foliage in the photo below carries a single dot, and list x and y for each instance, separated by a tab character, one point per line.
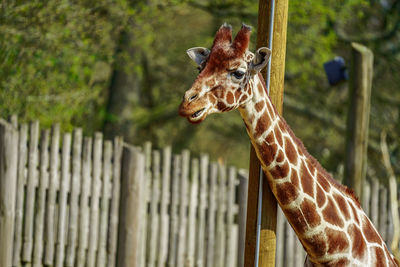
57	60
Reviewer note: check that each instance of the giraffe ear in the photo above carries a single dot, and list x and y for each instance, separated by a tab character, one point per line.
198	54
262	56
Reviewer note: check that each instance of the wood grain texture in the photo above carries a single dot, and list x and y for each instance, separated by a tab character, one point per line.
50	234
33	156
95	200
192	222
62	202
164	215
74	195
84	202
104	205
41	199
131	198
114	208
8	183
358	117
21	181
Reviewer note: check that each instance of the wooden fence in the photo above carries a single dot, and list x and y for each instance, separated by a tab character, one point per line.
79	201
69	200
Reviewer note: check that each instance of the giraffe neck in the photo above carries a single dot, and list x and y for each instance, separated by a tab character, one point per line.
324	214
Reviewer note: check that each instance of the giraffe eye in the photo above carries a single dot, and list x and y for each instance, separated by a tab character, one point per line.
238	74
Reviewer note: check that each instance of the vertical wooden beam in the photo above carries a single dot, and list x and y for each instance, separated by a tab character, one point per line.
8	183
268	220
358	117
131	198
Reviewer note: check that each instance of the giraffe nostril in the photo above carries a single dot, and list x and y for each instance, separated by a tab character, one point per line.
193	97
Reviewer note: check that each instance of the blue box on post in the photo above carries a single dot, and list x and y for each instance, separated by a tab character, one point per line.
336	70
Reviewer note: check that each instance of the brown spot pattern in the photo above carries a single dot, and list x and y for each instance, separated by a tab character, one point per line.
279	172
330	214
380	257
229	98
307	181
286	193
296	219
267	152
342	205
316	245
270	138
337	241
321	198
310	213
280	156
259	106
290	151
354	213
369	232
358	242
221	106
278	136
262	125
323	182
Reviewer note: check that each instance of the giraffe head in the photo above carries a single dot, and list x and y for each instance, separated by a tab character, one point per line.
225	71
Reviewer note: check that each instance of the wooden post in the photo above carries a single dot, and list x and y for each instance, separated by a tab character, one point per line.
268	220
8	183
358	117
132	181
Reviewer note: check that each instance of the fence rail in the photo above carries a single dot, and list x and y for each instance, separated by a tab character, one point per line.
70	200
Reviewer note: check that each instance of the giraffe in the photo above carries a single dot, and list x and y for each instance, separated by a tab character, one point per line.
326	216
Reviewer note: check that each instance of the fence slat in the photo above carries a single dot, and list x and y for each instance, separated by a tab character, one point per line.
242	199
19	205
104	205
8	183
62	202
289	245
201	244
182	208
375	202
132	178
84	202
383	214
74	194
220	224
174	210
51	200
280	238
114	209
164	216
211	214
30	192
154	217
145	203
94	200
366	197
43	184
231	229
192	224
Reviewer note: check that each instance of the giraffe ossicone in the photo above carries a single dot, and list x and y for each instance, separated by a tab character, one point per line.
327	218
